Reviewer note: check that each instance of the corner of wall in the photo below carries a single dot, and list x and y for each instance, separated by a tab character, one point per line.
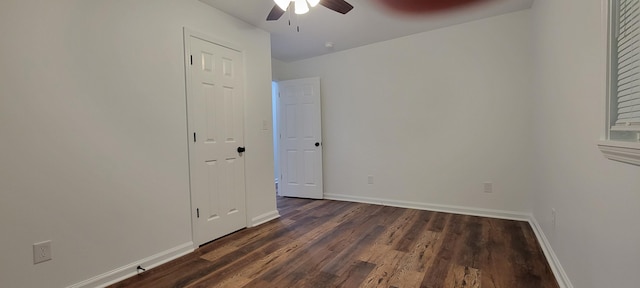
264	218
552	259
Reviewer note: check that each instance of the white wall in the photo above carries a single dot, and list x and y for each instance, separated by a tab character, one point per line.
431	116
93	146
277	65
596	199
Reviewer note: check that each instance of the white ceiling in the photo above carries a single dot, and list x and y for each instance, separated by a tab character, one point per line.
367	23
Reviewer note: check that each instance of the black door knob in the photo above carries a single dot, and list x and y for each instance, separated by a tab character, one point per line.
317	144
241	149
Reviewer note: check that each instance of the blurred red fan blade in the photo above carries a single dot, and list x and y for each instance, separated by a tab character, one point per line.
425	6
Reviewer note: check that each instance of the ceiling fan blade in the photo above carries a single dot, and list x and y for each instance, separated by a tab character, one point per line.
275	13
339	6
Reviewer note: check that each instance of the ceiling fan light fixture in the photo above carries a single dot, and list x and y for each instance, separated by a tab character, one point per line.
301	7
283	4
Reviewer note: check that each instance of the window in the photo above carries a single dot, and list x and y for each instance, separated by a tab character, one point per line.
623	115
625	71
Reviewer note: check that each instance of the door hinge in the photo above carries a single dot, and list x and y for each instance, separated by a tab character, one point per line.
198	212
194	137
191	56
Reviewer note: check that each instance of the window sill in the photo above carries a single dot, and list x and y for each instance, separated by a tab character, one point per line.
627	152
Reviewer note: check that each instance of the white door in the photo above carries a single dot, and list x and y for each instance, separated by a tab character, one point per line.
300	139
215	103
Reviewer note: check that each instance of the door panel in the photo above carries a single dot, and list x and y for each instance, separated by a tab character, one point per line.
213	179
215	103
300	124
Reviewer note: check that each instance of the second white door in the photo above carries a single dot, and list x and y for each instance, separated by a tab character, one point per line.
300	139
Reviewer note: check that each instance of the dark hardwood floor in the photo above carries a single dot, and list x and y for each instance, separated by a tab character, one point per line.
322	243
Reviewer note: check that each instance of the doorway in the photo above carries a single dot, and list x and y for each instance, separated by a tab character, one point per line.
298	138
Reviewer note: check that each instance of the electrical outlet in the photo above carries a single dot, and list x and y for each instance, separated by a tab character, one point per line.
488	187
554	219
370	179
41	252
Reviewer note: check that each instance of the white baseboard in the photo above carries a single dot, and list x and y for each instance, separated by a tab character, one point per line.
554	263
501	214
158	259
552	259
264	218
129	270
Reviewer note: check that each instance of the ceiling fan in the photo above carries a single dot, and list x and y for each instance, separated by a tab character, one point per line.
301	7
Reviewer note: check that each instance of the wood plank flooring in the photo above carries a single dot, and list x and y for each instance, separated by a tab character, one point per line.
323	243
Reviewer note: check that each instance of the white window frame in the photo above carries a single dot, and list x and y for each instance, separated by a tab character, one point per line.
620	143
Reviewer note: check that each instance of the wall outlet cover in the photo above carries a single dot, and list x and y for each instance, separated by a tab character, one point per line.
42	252
488	187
